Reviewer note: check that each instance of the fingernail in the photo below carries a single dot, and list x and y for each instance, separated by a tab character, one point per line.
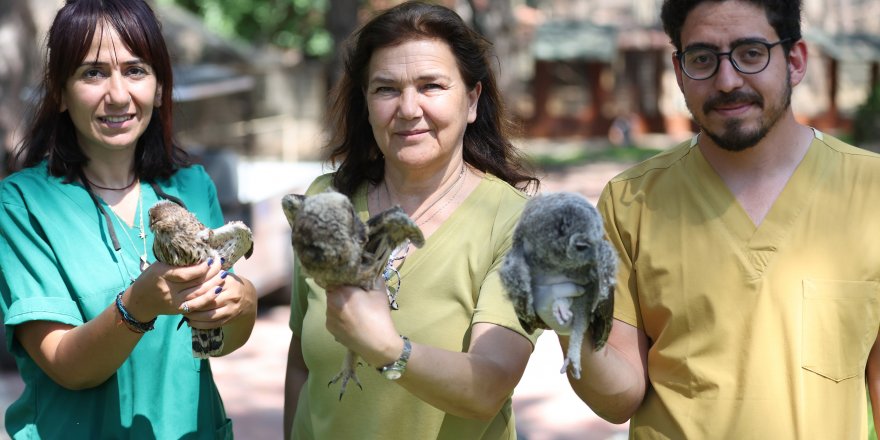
223	274
210	261
222	260
218	290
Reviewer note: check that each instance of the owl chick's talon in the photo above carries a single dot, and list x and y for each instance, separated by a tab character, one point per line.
345	376
562	311
575	371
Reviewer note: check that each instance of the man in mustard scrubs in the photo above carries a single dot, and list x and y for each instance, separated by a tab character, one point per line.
748	295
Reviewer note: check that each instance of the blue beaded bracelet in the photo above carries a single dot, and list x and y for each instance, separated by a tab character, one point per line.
132	324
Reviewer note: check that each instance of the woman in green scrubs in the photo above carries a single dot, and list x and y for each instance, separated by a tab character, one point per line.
91	317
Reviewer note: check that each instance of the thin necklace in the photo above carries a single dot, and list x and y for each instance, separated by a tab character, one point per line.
458	184
391	273
141	231
135	179
419	214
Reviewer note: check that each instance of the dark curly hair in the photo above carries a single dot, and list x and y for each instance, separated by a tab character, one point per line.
783	15
51	134
486	144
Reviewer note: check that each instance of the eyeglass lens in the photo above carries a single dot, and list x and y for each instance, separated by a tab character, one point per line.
701	63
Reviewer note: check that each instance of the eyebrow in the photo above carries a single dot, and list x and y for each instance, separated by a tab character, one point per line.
428	77
96	63
733	43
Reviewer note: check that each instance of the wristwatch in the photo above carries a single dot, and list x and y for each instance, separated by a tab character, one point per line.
395	370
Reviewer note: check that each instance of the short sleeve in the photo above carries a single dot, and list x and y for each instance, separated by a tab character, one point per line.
626	301
299	298
493	305
31	285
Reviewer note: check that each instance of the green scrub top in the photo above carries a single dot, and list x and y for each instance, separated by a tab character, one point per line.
57	264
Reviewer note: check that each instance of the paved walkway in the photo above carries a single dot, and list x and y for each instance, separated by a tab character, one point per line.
251	380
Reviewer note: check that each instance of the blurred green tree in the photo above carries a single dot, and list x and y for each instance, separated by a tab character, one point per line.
866	126
290	24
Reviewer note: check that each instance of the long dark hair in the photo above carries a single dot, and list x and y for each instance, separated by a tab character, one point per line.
486	144
51	135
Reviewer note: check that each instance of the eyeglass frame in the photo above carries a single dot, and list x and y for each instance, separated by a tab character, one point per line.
679	55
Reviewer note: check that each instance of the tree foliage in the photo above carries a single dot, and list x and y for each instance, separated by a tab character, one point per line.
866	126
294	24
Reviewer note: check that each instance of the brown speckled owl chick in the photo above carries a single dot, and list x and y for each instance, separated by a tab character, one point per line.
336	248
182	240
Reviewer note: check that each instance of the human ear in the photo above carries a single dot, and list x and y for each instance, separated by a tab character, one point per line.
473	99
797	62
158	100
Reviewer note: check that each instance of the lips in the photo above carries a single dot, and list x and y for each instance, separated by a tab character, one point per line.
733	102
410	132
116	119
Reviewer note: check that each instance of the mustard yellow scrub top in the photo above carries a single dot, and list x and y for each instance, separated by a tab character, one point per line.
447	286
755	332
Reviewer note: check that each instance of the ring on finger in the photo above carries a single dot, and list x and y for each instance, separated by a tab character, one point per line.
185	307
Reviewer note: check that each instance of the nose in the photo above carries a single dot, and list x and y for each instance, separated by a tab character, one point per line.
409	106
727	78
117	92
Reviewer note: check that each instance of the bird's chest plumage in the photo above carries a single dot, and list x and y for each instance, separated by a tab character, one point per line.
181	249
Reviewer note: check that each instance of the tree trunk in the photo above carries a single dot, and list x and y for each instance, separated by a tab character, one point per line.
19	57
341	20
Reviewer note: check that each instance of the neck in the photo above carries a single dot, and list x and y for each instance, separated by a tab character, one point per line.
120	176
414	193
779	151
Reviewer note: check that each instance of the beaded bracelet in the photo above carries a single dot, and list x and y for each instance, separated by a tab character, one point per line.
132	324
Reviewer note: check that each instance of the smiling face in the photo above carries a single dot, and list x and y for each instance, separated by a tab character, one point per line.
737	110
418	104
111	95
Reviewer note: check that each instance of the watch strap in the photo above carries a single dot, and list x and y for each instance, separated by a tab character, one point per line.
394	370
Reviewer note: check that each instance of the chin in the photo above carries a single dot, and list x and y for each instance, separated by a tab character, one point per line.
736	138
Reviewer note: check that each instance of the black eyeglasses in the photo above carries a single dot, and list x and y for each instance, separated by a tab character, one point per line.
749	57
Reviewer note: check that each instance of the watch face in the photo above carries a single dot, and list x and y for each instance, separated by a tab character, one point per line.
392	374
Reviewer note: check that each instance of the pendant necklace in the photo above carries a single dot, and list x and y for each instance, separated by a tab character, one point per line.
142	233
391	274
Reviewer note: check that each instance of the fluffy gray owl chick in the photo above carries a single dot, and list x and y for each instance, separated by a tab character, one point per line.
182	240
336	248
560	237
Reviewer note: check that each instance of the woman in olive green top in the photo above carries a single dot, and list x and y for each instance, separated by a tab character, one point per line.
91	318
418	123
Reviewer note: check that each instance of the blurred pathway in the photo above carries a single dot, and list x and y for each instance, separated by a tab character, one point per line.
251	381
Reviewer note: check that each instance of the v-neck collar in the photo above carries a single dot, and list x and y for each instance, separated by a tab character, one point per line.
359	201
761	241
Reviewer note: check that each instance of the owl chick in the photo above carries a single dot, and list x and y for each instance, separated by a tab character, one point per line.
336	248
561	268
182	240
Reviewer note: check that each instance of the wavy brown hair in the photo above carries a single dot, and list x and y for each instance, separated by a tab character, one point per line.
51	135
487	146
